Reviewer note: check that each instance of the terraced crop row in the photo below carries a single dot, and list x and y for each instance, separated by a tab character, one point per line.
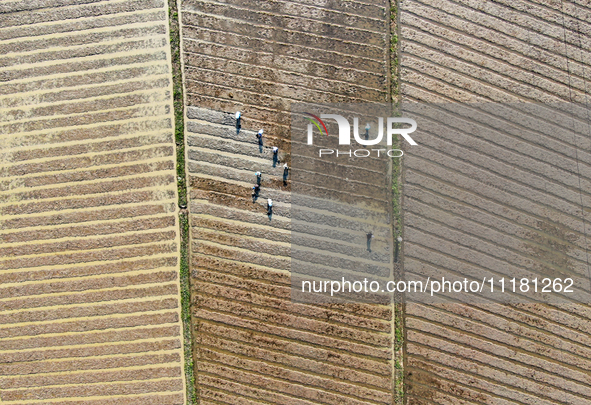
89	290
517	198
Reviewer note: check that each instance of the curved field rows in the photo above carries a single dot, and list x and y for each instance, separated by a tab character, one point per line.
252	344
89	290
518	198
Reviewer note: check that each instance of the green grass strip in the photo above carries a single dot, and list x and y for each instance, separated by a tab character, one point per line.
179	136
398	308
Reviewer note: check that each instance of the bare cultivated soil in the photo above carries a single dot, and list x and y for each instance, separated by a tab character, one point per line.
508	200
89	232
252	344
89	291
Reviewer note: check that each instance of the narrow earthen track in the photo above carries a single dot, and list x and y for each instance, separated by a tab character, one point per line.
520	198
252	344
89	251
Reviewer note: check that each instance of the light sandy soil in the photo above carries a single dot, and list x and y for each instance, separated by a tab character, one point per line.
89	291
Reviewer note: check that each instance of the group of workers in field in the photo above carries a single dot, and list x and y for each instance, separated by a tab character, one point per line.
257	187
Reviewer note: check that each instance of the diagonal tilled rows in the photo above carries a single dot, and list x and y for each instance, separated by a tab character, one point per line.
89	290
521	198
252	344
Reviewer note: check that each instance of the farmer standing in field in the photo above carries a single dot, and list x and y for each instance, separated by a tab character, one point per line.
269	207
275	156
255	192
285	174
369	238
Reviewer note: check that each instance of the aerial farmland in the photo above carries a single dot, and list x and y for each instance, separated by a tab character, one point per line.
90	241
160	207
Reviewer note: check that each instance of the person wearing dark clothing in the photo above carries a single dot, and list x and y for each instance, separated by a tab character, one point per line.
369	238
275	156
255	192
285	174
